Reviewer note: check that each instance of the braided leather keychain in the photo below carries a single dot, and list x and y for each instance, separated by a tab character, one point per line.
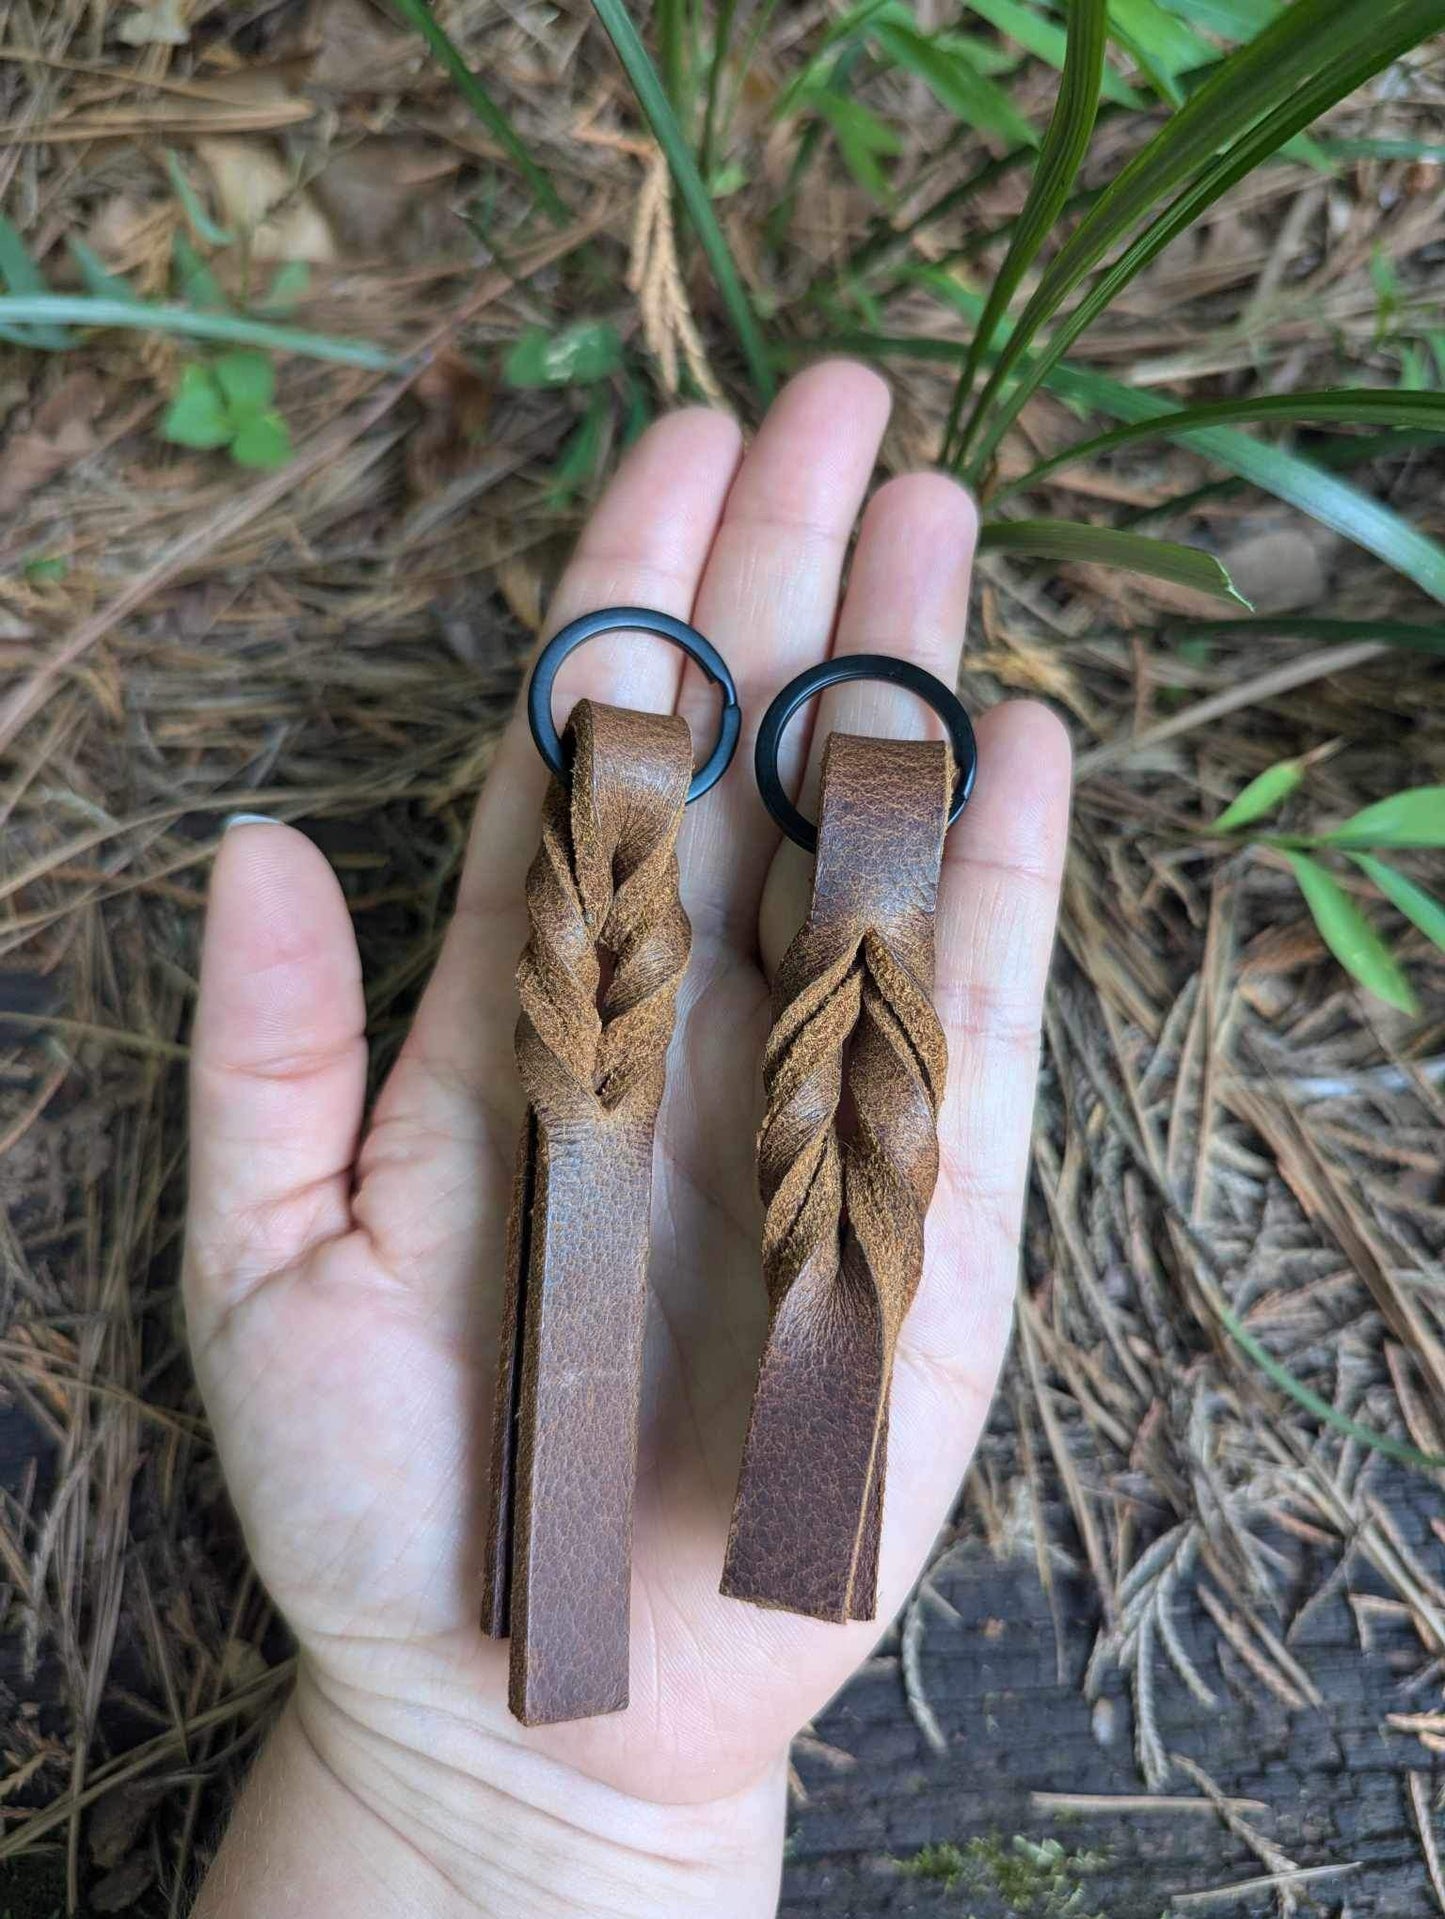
598	979
843	1233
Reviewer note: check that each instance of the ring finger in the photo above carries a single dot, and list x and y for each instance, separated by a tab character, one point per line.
907	596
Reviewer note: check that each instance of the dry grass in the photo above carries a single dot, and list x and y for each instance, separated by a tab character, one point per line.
1224	1121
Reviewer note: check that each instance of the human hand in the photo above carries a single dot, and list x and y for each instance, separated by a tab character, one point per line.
343	1284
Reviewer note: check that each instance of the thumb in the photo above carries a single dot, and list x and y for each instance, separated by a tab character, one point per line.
278	1066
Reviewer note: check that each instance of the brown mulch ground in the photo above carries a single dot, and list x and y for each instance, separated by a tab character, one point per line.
1227	1125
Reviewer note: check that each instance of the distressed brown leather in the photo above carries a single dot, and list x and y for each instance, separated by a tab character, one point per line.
591	1050
843	1234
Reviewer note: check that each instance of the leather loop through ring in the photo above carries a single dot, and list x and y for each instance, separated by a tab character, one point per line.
638	619
857	666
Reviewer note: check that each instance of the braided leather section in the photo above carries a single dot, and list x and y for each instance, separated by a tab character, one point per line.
845	1207
598	982
882	1179
605	882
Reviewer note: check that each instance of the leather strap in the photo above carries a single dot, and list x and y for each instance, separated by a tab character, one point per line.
591	1050
843	1234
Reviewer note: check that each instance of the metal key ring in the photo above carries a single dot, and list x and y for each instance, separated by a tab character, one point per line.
857	666
637	619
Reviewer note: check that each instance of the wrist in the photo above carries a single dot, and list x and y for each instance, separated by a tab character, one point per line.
507	1829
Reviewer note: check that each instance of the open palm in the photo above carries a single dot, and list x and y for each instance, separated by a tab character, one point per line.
343	1291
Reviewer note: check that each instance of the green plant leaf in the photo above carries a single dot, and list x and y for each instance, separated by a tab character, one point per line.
1374	406
1349	935
139	315
727	13
1107	546
652	98
418	14
1288	476
1413	635
1264	793
20	273
1415	817
1392	1448
195	282
262	440
248	380
197	415
577	355
952	80
577	467
862	139
22	276
201	223
820	66
1249	104
673	37
98	278
1048	43
1384	149
1422	909
290	286
1065	144
1231	19
984	56
1164	47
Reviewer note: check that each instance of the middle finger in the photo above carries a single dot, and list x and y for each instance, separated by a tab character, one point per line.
768	599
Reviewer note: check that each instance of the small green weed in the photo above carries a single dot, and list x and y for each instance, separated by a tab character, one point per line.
1035	1879
1410	820
229	403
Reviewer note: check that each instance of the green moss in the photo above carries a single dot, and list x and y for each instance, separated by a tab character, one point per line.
1035	1879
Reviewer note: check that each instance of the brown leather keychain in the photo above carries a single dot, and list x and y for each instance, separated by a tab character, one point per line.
598	980
853	1021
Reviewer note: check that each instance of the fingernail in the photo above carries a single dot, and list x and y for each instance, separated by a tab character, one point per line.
249	819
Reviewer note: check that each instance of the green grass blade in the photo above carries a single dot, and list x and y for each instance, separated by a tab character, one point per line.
1414	817
1383	149
22	276
1397	1449
1105	546
652	98
1373	406
1230	19
1325	497
1250	104
845	34
1378	37
1422	909
1164	47
721	49
98	278
76	310
952	80
1048	42
418	14
202	225
1334	502
1349	935
862	139
1413	636
1070	129
762	20
20	272
1236	93
1265	792
889	239
672	49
